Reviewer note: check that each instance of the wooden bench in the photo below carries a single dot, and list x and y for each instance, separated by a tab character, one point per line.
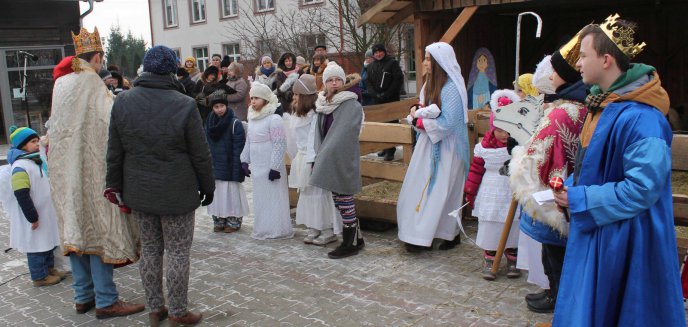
679	163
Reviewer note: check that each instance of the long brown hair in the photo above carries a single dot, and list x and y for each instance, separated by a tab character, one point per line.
305	104
434	83
330	95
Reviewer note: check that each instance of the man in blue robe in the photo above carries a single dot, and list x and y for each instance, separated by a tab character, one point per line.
621	266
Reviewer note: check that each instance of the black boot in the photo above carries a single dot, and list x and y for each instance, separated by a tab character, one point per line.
448	245
536	296
389	155
543	305
412	248
350	234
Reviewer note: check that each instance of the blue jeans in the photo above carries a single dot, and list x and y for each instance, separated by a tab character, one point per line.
39	262
93	279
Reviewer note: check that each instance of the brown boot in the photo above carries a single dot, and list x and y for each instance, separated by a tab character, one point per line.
120	308
55	272
189	319
47	281
155	317
229	229
82	308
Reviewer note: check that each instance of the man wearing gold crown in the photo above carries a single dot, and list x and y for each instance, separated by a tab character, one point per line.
620	267
95	234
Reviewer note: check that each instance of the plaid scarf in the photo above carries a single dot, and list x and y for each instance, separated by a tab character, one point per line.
594	101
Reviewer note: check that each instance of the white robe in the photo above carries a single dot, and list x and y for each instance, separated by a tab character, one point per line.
264	151
22	238
315	208
78	135
432	220
493	201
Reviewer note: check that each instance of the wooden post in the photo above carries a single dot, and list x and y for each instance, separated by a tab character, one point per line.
458	24
505	235
421	29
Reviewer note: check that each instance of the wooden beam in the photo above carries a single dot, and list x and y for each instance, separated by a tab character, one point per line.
376	9
401	15
392	171
388	111
387	133
369	208
680	209
458	24
679	152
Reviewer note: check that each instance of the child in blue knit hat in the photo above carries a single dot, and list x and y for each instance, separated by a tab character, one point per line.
33	221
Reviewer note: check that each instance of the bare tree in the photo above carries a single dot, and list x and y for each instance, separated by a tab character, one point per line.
295	29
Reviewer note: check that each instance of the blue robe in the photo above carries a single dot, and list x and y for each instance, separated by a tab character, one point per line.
621	266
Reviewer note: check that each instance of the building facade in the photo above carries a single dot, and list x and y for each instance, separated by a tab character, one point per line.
201	28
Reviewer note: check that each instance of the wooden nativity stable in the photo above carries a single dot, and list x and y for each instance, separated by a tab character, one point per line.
472	24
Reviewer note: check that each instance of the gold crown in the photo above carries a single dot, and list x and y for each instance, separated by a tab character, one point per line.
571	51
622	37
87	42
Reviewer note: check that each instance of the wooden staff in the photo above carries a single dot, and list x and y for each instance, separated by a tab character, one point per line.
505	235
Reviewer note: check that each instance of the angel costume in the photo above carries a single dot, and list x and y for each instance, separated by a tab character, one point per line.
264	151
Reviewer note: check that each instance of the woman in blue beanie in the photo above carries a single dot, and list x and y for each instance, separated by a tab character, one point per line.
158	160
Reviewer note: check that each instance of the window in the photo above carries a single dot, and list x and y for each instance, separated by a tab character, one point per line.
197	11
311	40
201	55
265	5
232	50
410	55
229	8
311	2
178	53
170	13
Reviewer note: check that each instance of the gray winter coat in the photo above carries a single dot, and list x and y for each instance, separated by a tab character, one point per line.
157	152
337	159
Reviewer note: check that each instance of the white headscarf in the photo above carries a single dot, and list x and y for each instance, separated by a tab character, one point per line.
444	54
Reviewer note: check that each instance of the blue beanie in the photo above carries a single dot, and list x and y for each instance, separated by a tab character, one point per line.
20	136
160	60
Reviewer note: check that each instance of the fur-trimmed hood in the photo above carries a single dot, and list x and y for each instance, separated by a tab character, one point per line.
351	80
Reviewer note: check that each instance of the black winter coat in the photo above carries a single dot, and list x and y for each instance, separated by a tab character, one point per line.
384	80
189	86
157	152
226	139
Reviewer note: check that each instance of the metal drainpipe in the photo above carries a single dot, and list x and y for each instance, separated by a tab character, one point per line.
90	9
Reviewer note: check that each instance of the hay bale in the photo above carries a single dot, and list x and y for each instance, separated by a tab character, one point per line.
679	182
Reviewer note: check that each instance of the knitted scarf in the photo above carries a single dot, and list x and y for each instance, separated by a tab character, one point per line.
324	107
267	72
217	125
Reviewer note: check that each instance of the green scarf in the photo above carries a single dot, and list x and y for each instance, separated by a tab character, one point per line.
634	72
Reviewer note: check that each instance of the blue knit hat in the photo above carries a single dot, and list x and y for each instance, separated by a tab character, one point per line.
160	60
19	136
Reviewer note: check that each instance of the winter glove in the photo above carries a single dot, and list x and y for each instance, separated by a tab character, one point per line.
115	197
244	168
206	199
274	174
111	194
510	144
504	170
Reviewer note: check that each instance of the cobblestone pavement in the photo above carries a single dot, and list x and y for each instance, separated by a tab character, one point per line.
238	281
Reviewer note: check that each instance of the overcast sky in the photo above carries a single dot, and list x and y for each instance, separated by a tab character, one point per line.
129	14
